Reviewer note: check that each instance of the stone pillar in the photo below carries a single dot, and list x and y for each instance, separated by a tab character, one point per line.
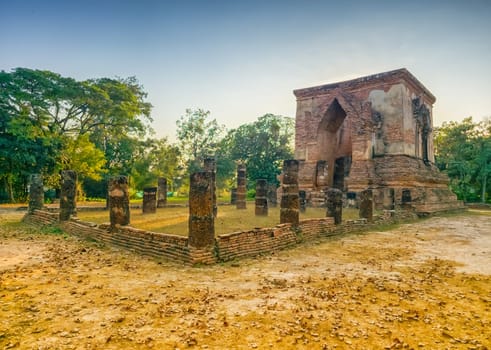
241	187
68	194
36	192
149	200
162	192
201	219
272	196
302	197
366	205
289	198
321	173
351	200
406	199
334	204
210	165
119	201
233	196
261	197
389	199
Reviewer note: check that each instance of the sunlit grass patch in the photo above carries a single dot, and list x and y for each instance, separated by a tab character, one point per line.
229	219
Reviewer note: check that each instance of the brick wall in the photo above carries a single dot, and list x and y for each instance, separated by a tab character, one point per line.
227	247
41	218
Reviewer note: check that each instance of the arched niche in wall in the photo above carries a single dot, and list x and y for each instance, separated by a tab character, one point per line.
334	144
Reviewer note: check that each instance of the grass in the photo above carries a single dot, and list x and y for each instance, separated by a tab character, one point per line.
175	220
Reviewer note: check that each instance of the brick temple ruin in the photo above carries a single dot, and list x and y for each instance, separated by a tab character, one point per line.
374	132
366	141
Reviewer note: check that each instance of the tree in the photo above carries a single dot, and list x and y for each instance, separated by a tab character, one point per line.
262	146
27	144
155	158
463	151
198	138
82	156
483	159
42	112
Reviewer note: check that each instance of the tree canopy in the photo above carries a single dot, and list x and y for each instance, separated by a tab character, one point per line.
262	146
101	127
463	151
49	123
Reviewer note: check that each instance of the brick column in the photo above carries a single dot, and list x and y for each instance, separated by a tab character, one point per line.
36	192
162	192
233	196
119	201
68	194
302	197
334	204
289	198
272	196
389	199
241	187
201	219
366	205
261	197
149	205
210	165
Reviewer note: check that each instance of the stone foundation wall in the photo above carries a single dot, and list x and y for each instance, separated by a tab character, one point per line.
41	218
226	247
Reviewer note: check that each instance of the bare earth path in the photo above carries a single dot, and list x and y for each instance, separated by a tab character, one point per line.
425	285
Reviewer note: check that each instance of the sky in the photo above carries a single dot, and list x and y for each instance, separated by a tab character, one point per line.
243	59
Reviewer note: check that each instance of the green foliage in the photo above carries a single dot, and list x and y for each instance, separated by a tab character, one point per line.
82	156
251	194
154	159
49	122
463	150
198	138
262	146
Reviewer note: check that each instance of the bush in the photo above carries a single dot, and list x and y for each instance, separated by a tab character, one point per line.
251	194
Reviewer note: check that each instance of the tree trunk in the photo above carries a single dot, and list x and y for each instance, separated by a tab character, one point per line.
10	189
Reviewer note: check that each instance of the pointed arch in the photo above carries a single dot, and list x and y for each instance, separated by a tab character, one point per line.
334	142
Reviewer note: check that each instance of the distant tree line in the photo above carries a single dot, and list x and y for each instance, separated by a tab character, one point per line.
463	151
102	127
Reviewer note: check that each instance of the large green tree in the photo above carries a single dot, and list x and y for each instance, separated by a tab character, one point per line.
43	115
155	158
463	151
262	146
198	138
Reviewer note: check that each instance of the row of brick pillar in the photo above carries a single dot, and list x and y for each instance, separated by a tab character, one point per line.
202	199
118	196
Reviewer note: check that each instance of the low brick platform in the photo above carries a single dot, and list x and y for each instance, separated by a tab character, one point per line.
227	247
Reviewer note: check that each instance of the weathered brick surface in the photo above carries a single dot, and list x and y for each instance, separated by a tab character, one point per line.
379	127
261	208
226	247
149	205
68	194
201	218
240	198
36	192
162	192
119	201
289	210
41	218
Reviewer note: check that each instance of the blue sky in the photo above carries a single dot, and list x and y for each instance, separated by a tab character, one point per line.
243	59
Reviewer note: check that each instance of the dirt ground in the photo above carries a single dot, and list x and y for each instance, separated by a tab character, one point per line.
424	285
